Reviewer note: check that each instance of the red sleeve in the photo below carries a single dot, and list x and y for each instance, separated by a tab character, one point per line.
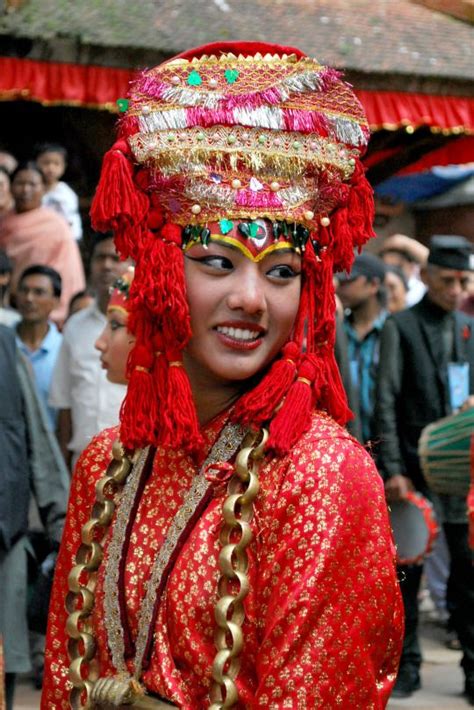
90	467
332	621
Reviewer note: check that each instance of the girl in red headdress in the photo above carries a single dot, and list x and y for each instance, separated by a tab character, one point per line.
228	545
115	342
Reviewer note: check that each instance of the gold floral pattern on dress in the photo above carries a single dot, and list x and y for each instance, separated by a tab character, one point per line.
324	618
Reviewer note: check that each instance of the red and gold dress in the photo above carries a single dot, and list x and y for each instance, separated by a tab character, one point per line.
324	620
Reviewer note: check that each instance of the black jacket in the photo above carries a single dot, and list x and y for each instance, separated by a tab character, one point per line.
30	459
14	463
412	383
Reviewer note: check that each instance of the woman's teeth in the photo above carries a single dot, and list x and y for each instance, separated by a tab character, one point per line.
238	333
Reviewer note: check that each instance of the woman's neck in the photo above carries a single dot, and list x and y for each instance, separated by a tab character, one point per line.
211	397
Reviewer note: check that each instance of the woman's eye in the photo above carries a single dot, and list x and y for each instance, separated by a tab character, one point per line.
220	263
115	325
282	271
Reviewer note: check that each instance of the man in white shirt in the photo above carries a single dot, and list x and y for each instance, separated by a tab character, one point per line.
86	400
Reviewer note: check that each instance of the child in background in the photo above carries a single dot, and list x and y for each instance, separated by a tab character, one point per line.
51	158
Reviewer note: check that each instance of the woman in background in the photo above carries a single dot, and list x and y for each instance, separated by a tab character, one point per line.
33	234
115	342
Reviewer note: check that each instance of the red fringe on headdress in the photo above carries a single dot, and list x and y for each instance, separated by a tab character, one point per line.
118	204
294	417
351	224
139	411
159	298
258	405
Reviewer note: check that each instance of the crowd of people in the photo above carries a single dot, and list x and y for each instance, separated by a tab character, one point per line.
243	335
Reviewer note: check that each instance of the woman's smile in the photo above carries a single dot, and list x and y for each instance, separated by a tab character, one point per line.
242	311
240	335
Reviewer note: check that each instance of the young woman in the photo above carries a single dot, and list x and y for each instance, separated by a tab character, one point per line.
115	342
234	549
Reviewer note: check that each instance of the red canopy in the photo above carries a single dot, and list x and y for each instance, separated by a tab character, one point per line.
51	83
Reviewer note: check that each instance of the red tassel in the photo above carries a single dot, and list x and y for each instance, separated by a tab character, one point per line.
176	317
180	422
158	296
360	207
118	204
333	398
260	403
138	414
294	417
351	223
160	382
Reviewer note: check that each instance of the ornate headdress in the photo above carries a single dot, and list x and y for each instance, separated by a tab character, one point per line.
234	132
120	292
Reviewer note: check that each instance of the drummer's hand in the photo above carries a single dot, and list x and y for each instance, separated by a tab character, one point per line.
468	404
397	488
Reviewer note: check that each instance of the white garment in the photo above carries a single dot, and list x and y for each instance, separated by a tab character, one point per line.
416	291
79	382
63	199
9	317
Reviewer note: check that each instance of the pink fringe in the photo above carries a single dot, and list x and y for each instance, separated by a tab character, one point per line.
205	117
328	77
248	198
270	96
150	86
306	122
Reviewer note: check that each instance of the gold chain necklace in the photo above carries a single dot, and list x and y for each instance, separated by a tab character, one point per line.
88	689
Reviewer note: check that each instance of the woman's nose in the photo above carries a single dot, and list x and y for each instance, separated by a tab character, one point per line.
248	292
100	344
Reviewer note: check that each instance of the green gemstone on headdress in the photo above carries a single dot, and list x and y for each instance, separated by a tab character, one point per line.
253	229
231	75
194	79
122	104
226	226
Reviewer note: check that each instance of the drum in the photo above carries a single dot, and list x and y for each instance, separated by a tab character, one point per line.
414	528
443	449
470	499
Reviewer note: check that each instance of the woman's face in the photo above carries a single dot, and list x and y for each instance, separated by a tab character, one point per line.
396	293
27	190
114	344
242	310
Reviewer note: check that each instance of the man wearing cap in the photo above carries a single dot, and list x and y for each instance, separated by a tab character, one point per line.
363	296
427	372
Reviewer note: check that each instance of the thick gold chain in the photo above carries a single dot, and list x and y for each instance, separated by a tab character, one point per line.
233	586
233	583
83	670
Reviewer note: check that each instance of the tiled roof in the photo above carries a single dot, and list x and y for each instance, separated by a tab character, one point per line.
370	36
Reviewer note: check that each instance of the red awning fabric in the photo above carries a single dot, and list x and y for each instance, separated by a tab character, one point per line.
393	109
459	151
54	83
51	83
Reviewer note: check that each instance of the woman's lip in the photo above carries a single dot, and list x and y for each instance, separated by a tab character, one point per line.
235	344
242	325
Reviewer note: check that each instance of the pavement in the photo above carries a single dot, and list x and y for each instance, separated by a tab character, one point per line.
441	676
442	680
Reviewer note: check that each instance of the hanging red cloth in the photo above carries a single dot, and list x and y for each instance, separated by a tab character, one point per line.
100	87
